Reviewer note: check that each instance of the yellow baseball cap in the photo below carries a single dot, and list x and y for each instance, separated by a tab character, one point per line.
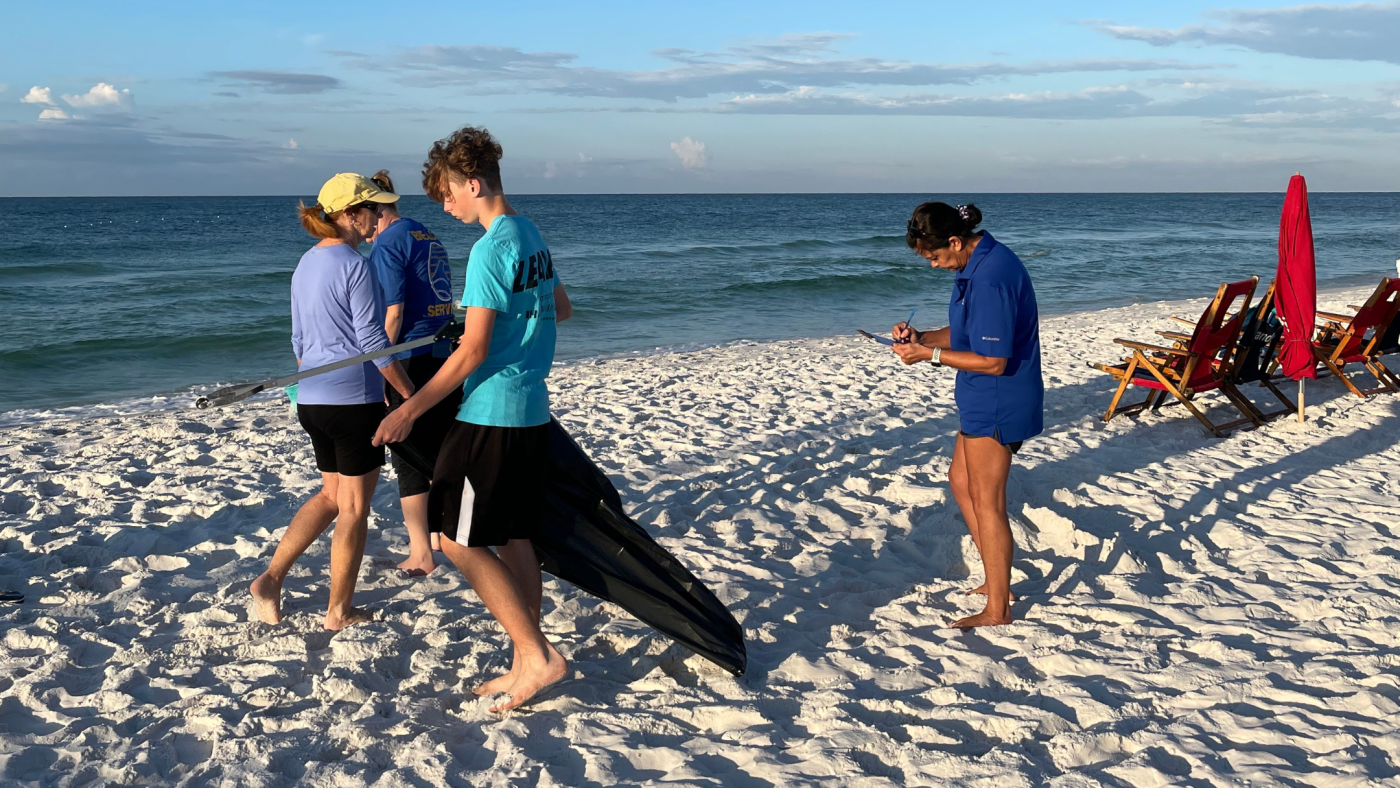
345	189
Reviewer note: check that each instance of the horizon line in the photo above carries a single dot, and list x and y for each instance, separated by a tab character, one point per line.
700	194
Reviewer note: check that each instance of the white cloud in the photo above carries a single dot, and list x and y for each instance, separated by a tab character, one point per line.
584	158
291	143
53	113
550	169
38	95
691	153
101	95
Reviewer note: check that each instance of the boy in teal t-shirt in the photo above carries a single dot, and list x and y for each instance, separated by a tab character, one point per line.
486	490
510	271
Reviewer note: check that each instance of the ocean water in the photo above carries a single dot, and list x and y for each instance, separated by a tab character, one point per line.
129	300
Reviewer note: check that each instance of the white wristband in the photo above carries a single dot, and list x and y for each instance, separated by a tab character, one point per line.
937	354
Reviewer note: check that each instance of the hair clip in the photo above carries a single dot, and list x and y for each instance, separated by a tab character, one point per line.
963	212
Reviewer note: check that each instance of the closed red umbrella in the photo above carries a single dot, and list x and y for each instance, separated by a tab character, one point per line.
1296	296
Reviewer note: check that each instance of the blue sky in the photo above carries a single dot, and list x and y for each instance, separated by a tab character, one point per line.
271	98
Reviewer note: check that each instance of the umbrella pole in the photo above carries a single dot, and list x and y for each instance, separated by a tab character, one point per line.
1301	390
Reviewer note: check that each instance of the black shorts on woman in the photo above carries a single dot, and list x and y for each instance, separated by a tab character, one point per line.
342	437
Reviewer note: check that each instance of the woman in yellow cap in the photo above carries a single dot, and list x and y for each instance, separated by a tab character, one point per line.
337	313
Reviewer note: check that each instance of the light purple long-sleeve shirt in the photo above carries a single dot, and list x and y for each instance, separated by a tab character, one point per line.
337	313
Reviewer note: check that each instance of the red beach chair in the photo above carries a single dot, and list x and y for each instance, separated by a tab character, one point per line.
1360	338
1191	367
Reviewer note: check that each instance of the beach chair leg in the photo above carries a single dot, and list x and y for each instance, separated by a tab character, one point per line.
1382	374
1337	370
1252	415
1246	407
1185	400
1122	388
1394	379
1277	392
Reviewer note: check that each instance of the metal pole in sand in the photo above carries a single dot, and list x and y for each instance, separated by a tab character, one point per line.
1301	390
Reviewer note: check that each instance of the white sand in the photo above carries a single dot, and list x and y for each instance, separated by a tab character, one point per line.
1197	611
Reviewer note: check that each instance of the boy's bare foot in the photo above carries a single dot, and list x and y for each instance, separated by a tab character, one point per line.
355	615
418	566
982	589
531	679
983	619
501	683
267	599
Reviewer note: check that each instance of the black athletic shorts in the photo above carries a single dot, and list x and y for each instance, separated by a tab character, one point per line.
435	423
342	436
1011	447
487	484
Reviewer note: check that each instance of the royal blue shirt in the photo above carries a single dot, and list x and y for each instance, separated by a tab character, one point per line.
510	270
993	313
413	270
337	313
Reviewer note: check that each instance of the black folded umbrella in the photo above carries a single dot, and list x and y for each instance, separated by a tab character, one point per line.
588	539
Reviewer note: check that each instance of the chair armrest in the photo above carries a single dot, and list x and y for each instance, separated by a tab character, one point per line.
1175	335
1184	320
1335	317
1154	348
1353	307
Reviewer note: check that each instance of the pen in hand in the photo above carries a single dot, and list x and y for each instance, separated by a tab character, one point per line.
909	327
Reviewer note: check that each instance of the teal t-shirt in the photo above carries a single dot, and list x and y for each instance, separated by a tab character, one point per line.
510	270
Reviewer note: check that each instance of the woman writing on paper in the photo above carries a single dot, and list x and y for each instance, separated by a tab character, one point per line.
993	341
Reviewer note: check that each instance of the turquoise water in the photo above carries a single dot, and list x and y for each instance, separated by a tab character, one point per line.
106	300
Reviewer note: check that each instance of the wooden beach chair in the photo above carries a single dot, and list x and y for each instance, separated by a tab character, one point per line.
1191	366
1359	338
1254	357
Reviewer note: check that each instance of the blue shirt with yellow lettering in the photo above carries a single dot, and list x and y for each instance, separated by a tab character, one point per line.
511	271
413	270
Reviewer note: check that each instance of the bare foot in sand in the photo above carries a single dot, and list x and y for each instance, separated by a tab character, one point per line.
267	599
417	566
338	621
982	589
499	684
983	619
530	680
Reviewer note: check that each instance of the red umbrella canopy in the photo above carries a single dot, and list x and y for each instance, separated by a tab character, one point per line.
1296	296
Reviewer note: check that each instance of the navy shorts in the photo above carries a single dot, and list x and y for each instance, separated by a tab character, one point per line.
1011	447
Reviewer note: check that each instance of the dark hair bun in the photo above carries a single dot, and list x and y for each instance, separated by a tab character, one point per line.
933	223
383	181
973	218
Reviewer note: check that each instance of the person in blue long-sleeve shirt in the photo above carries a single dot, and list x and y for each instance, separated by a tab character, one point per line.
416	278
337	313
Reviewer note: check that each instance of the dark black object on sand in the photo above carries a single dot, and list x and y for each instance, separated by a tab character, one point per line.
588	539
